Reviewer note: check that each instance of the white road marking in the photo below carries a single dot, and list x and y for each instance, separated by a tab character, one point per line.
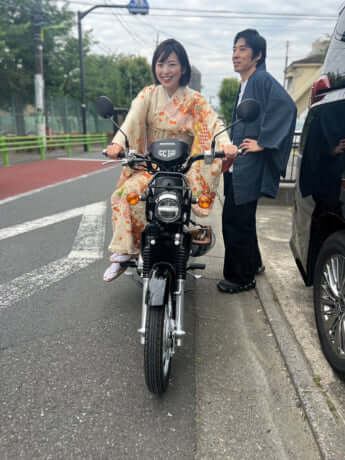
87	248
29	226
30	283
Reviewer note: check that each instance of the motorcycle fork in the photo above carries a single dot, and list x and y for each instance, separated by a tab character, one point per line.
143	311
179	333
178	295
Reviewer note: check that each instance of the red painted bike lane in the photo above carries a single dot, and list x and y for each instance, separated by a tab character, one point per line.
26	177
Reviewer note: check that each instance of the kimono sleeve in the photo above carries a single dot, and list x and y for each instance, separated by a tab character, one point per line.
204	179
279	115
206	124
135	123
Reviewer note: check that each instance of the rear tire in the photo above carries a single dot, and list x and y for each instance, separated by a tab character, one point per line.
159	348
329	300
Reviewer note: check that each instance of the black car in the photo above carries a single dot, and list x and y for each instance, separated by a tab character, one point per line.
318	230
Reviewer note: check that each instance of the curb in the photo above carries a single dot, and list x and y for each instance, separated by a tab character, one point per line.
326	424
285	196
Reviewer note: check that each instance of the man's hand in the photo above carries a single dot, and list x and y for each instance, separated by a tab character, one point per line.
250	145
231	151
113	150
340	148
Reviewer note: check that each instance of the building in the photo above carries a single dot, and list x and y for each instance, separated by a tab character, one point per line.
300	76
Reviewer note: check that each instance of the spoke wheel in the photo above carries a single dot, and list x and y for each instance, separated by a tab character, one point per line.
329	300
159	347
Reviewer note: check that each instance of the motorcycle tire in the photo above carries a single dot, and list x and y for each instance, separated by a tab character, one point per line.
158	349
329	300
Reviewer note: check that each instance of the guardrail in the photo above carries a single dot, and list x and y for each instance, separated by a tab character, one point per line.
40	143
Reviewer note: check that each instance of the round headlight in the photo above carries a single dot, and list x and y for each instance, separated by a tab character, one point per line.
168	207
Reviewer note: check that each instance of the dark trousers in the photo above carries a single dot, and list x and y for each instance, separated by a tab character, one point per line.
242	255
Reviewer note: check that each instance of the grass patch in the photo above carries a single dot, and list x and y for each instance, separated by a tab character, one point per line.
317	381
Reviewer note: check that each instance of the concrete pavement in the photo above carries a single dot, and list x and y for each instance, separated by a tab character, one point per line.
287	304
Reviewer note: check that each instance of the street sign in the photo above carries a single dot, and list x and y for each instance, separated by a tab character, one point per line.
138	7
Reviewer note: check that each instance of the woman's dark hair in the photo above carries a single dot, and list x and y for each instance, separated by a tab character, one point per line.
254	40
162	53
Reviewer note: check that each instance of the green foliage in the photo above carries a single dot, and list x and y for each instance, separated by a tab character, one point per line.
17	44
119	77
227	96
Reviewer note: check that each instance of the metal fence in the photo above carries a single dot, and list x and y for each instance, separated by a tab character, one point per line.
40	143
62	115
291	171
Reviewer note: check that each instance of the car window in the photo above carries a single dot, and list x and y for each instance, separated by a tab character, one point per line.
334	65
323	146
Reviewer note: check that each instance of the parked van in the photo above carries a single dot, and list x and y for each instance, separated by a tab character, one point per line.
318	230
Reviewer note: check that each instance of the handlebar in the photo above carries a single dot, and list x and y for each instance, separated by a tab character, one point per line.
134	157
120	156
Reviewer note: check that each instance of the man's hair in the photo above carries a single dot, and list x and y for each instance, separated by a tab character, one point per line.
255	41
162	53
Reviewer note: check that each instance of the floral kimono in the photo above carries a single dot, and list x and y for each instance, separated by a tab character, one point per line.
154	115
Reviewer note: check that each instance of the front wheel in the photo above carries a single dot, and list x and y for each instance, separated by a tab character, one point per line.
159	347
329	300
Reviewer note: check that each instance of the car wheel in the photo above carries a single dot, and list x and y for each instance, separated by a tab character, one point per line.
329	300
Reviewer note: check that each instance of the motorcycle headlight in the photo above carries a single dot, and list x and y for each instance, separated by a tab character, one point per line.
168	207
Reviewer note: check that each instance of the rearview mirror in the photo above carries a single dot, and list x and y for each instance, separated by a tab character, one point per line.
104	107
248	110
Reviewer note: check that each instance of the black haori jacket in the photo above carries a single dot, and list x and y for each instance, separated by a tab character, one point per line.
258	173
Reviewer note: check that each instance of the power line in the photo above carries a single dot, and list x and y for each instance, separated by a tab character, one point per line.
228	14
133	35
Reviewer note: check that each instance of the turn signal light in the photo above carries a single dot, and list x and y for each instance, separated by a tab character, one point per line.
133	198
204	201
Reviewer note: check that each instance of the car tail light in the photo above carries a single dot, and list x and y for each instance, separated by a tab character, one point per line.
318	89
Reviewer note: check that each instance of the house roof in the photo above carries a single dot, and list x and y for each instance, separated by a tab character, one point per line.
314	59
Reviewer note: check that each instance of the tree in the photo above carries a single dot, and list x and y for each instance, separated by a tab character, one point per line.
118	77
17	46
227	96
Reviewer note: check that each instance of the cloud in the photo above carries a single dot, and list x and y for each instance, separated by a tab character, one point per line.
208	40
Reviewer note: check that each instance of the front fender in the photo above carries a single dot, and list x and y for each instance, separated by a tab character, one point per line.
158	288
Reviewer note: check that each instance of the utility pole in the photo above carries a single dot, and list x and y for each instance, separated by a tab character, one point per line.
286	62
39	81
134	7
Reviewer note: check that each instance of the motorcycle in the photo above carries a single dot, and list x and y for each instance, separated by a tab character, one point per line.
167	241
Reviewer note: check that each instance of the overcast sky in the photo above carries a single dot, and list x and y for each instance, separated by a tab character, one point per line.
208	40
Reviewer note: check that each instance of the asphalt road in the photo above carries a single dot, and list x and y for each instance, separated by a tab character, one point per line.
71	366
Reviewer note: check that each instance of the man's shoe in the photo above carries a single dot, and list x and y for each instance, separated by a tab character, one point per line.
233	288
260	269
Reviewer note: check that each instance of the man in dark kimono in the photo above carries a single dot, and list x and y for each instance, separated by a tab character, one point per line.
266	144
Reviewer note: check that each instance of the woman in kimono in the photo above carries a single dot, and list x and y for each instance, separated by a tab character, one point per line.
168	109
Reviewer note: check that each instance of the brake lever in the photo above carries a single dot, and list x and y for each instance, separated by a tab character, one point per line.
114	161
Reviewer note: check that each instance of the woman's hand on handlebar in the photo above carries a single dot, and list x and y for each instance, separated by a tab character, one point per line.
114	150
230	151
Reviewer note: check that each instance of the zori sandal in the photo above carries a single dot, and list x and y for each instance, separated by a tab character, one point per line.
113	272
119	258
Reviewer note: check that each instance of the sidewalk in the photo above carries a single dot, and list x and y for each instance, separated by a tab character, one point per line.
288	305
